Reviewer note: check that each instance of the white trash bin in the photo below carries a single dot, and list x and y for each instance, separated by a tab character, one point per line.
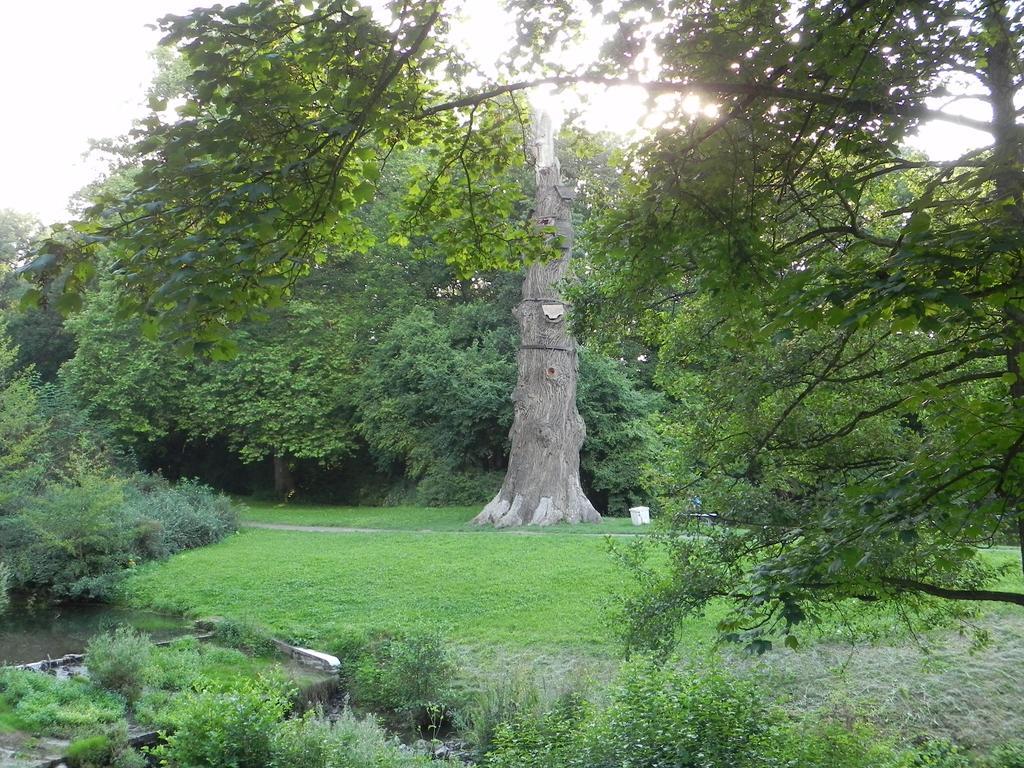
640	515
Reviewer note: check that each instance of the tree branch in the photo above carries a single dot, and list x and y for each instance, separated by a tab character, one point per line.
711	87
985	595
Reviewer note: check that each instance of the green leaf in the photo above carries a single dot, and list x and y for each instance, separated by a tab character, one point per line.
30	299
69	303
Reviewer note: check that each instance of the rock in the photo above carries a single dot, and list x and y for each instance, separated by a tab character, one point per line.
443	752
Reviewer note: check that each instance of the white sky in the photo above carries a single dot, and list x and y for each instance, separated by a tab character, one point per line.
70	70
74	70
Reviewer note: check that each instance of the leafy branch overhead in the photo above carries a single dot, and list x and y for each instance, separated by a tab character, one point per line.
292	110
842	319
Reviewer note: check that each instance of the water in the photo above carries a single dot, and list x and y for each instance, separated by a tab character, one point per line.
34	632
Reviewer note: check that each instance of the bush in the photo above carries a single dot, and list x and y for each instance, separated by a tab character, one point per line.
621	438
243	635
118	661
407	673
1009	755
362	743
555	740
811	743
242	726
171	518
70	524
46	706
79	539
350	742
129	758
514	696
671	717
226	728
443	487
939	754
663	717
6	578
302	743
90	752
75	539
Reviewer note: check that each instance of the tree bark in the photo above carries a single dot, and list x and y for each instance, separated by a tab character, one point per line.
542	485
284	482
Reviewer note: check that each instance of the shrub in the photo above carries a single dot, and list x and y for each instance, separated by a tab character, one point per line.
90	752
129	758
554	740
6	578
1008	755
811	743
442	487
76	538
621	437
362	743
79	539
155	708
663	717
171	518
938	754
119	661
514	696
243	635
407	673
349	742
229	727
46	706
302	743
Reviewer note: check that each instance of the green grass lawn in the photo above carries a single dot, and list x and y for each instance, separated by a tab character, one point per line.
487	589
408	519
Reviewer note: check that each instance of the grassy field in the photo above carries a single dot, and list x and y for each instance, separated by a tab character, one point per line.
486	589
542	602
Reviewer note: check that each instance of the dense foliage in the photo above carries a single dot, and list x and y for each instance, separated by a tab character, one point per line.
216	707
44	705
656	717
406	674
72	519
118	661
385	377
836	318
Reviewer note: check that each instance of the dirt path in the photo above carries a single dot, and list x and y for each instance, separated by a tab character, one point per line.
346	529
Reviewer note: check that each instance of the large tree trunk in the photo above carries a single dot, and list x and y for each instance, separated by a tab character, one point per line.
542	485
284	482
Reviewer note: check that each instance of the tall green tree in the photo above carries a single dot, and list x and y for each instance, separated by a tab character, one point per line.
17	233
21	431
38	334
842	321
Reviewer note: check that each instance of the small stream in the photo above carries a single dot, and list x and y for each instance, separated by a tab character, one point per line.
33	631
